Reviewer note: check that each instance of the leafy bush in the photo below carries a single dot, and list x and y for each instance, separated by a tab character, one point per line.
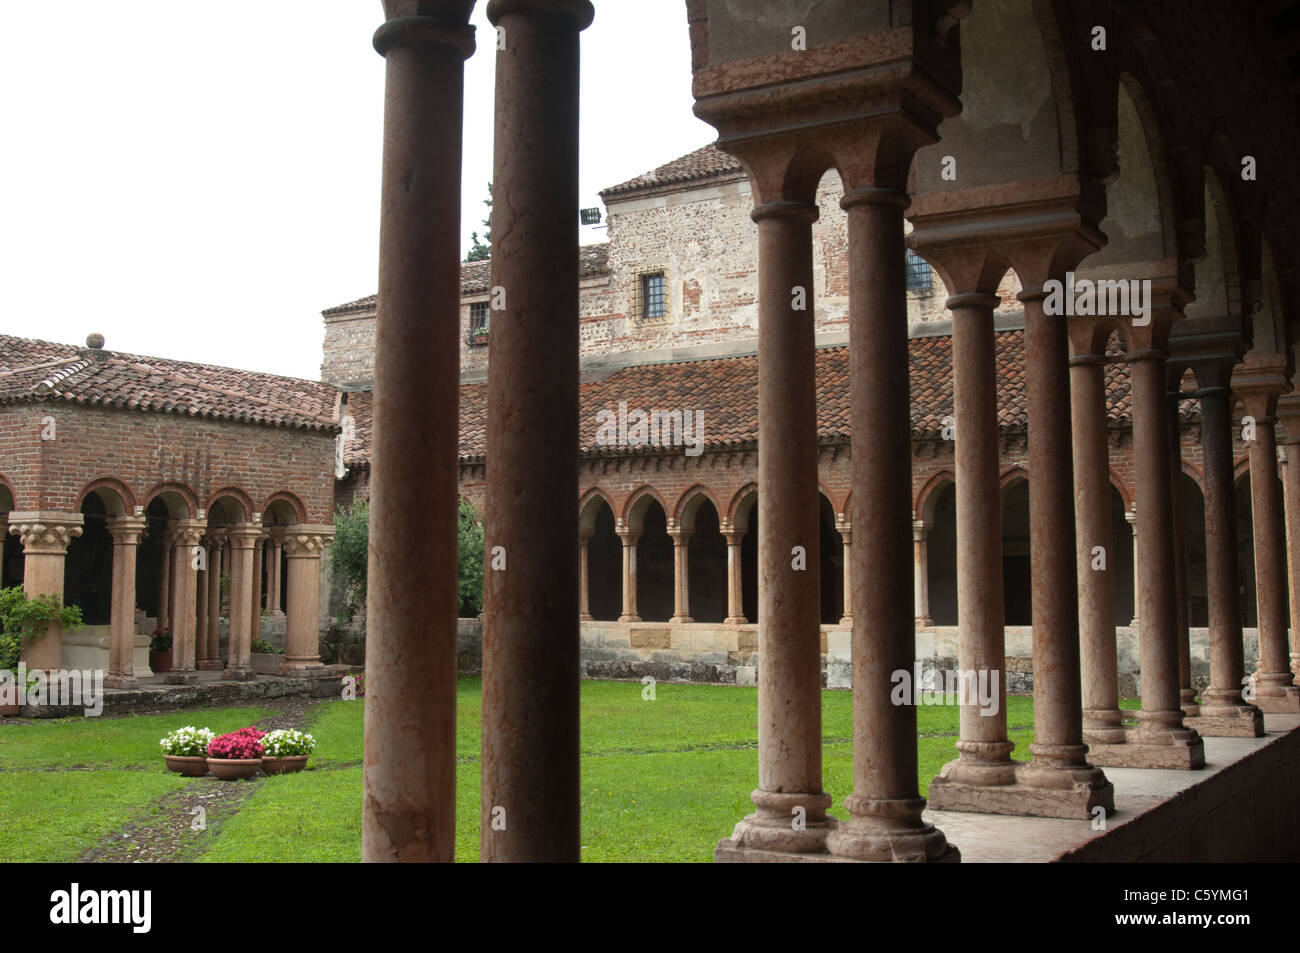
469	560
288	742
242	745
161	641
187	742
24	619
263	647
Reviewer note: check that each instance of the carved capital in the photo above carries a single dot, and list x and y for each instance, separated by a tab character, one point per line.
127	530
306	541
45	533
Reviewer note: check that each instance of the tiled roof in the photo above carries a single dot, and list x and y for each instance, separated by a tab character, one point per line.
726	389
42	370
361	407
476	277
703	163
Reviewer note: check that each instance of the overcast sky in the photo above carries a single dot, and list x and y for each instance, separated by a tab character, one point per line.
199	181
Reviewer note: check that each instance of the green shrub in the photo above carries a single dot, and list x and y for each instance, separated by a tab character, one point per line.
26	618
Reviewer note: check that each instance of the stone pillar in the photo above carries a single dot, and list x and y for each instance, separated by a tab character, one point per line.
45	536
921	572
126	532
789	590
274	551
681	574
846	543
530	769
304	543
1186	694
410	736
885	808
735	591
584	575
1223	710
1102	721
1275	689
629	538
210	659
982	778
243	537
1161	740
1289	414
165	577
255	611
185	605
1130	517
201	605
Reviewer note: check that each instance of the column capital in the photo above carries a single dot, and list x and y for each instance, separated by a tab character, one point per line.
680	536
1288	412
45	532
629	536
188	532
921	529
307	540
426	23
243	535
579	12
127	530
584	536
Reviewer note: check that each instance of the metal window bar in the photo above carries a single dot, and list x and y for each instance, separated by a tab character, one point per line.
478	316
654	295
920	275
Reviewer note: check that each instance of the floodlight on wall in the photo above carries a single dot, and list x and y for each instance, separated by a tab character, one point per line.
589	216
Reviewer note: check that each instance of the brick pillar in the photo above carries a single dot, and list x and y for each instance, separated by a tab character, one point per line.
629	538
735	591
185	602
1275	689
126	532
681	574
410	736
45	537
304	545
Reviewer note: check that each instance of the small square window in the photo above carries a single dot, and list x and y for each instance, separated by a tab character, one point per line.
920	275
654	294
478	316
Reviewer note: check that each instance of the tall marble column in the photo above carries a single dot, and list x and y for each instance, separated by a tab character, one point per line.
1223	710
735	598
846	543
184	540
1130	517
243	537
1186	693
1089	415
255	610
45	536
921	572
274	564
126	532
304	544
629	538
210	659
410	736
584	575
1289	414
530	618
681	574
165	577
1275	688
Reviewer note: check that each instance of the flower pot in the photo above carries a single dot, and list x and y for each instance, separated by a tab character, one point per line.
286	765
160	661
8	711
226	769
186	766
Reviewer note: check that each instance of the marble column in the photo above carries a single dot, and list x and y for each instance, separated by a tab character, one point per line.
1186	693
184	540
45	536
201	605
1089	416
681	574
884	811
1130	517
530	750
735	591
410	735
1161	739
846	543
210	660
165	577
304	544
243	537
1289	414
1275	688
584	575
921	572
255	611
629	538
1223	710
274	565
789	589
982	778
127	532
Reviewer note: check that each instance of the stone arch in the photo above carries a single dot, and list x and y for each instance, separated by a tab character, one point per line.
11	547
1010	476
8	499
637	503
689	503
589	505
928	498
88	563
1218	284
1119	486
1269	321
742	506
116	496
604	555
179	499
1195	474
280	505
234	493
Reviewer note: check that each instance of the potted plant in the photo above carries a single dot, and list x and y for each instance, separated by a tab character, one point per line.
286	751
24	619
265	657
160	651
237	755
185	751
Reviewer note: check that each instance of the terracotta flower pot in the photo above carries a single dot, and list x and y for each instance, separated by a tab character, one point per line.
227	769
160	661
289	764
185	766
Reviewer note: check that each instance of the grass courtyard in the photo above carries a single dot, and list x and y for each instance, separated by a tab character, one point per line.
662	780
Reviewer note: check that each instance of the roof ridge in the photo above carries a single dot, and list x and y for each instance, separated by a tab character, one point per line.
47	385
215	388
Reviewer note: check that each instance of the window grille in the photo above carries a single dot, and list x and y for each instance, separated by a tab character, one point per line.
920	276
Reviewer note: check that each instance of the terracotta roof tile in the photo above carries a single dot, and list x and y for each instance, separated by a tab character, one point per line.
704	163
40	370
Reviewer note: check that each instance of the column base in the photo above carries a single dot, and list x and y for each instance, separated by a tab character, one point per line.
1103	726
312	669
211	665
187	677
584	616
889	831
735	620
1276	695
924	622
1022	788
1177	751
629	618
238	675
773	826
847	620
121	681
1228	721
681	619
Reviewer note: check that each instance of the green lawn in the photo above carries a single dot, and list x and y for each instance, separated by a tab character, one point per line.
662	780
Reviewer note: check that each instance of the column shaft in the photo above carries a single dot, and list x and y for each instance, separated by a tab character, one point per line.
303	546
584	576
126	532
846	544
238	663
1186	694
681	575
1275	683
629	576
735	600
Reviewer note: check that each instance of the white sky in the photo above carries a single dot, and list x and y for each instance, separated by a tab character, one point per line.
198	181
